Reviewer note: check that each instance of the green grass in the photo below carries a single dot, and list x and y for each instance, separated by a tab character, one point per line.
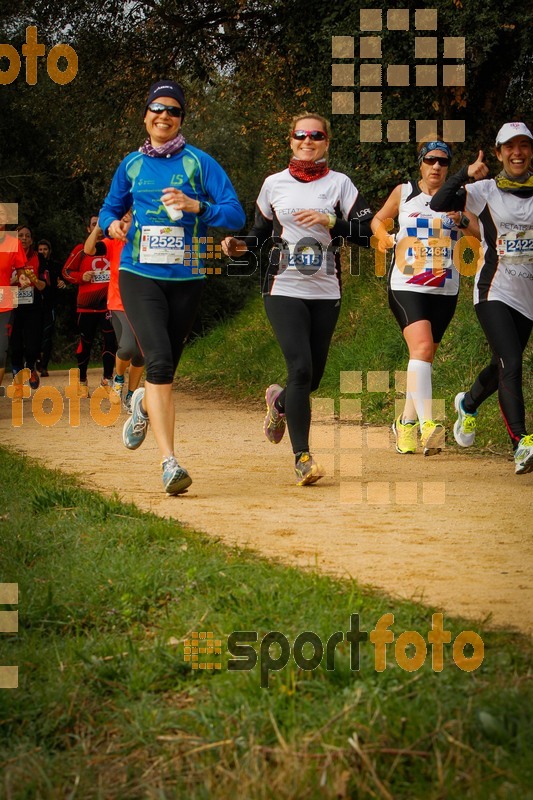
241	357
107	707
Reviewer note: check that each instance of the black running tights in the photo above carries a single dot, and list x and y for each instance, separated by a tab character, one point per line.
161	314
88	323
303	329
507	332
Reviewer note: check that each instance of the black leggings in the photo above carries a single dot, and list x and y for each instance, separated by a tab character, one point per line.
26	335
161	314
128	346
507	332
6	320
303	329
88	323
47	337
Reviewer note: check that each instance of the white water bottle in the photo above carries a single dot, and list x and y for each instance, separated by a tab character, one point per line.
174	213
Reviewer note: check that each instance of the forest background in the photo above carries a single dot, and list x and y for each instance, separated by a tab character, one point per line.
247	68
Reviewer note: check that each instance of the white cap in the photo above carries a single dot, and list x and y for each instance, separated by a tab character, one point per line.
511	129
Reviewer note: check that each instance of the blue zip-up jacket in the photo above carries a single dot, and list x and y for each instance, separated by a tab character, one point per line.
138	183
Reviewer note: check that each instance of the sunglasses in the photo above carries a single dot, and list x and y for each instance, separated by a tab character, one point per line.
315	136
443	162
158	108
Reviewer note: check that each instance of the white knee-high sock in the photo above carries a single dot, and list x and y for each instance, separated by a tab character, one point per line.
419	389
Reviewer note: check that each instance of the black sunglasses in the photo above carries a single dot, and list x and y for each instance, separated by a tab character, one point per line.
443	162
316	136
158	108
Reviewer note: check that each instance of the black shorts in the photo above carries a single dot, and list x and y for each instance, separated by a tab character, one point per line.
409	307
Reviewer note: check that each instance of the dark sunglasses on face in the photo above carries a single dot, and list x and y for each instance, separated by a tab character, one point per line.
158	108
315	136
443	162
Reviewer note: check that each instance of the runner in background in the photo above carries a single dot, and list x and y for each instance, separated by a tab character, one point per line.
27	323
175	192
423	285
503	290
308	209
12	262
90	273
44	248
128	352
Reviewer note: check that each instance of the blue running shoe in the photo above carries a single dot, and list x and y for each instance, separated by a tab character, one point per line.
176	479
136	427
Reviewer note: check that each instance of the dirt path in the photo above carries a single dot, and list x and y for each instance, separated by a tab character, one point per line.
461	539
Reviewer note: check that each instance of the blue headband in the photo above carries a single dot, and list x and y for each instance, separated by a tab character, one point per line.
426	148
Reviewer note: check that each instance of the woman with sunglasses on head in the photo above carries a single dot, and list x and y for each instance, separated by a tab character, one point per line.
503	290
423	287
305	211
175	192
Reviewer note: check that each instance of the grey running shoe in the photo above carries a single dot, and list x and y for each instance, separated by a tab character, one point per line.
464	429
275	423
136	427
307	470
176	479
127	401
523	456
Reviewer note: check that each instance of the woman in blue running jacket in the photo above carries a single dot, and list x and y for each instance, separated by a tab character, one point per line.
175	191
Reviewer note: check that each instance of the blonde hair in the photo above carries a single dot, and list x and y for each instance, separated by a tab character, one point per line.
325	122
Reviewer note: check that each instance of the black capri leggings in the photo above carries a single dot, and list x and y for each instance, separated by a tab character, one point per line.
161	314
303	329
127	345
507	332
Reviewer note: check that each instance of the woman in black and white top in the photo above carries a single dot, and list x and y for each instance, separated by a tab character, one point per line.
423	286
302	215
503	292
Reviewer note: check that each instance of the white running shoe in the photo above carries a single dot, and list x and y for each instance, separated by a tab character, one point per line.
523	456
464	429
136	427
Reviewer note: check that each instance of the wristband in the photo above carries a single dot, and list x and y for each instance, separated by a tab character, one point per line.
203	208
332	221
464	222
